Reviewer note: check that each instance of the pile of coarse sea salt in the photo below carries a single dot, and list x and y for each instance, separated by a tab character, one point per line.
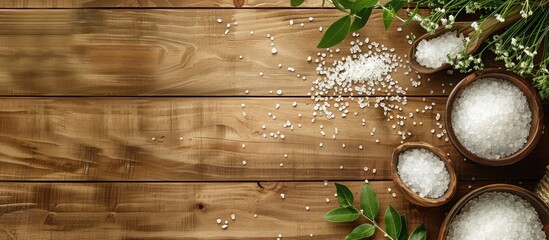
491	118
358	78
434	52
496	216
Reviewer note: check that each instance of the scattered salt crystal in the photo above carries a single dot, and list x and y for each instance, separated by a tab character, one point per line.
224	226
282	195
291	22
273	50
320	29
311	19
219	20
218	221
434	52
423	172
244	162
233	216
279	92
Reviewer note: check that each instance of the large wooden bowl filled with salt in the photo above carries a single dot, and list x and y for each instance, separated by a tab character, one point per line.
534	104
540	207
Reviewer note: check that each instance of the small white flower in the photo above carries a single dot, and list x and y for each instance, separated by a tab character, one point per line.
475	26
513	41
500	18
443	21
451	18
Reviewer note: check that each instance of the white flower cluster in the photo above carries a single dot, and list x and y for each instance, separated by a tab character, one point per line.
515	55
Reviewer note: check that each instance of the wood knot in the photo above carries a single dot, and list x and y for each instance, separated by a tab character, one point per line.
269	185
238	3
200	206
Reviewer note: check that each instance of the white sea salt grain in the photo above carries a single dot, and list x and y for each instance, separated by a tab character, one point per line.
423	172
497	216
491	118
434	52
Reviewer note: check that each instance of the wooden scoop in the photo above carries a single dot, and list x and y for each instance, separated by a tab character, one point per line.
489	26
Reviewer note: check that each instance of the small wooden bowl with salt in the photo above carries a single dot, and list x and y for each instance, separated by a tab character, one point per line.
409	193
532	99
541	209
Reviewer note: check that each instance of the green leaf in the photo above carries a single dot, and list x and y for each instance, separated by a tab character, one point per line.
344	195
347	4
347	214
362	4
411	17
335	33
296	3
404	228
358	23
338	5
362	231
368	202
420	233
388	15
393	224
395	5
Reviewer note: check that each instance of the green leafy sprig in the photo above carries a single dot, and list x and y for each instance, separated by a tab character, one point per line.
396	227
357	14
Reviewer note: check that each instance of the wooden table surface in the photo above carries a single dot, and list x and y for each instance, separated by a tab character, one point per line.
122	119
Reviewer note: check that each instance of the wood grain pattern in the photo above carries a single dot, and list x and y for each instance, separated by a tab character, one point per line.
154	3
173	52
52	211
139	139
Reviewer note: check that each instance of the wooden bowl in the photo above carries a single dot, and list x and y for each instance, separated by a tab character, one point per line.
533	101
541	208
411	195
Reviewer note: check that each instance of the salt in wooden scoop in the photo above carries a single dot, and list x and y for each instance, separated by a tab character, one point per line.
488	27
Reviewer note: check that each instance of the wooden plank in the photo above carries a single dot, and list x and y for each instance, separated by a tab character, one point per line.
88	211
155	3
200	139
174	52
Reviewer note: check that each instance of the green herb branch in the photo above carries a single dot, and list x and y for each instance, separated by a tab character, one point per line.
357	14
396	227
